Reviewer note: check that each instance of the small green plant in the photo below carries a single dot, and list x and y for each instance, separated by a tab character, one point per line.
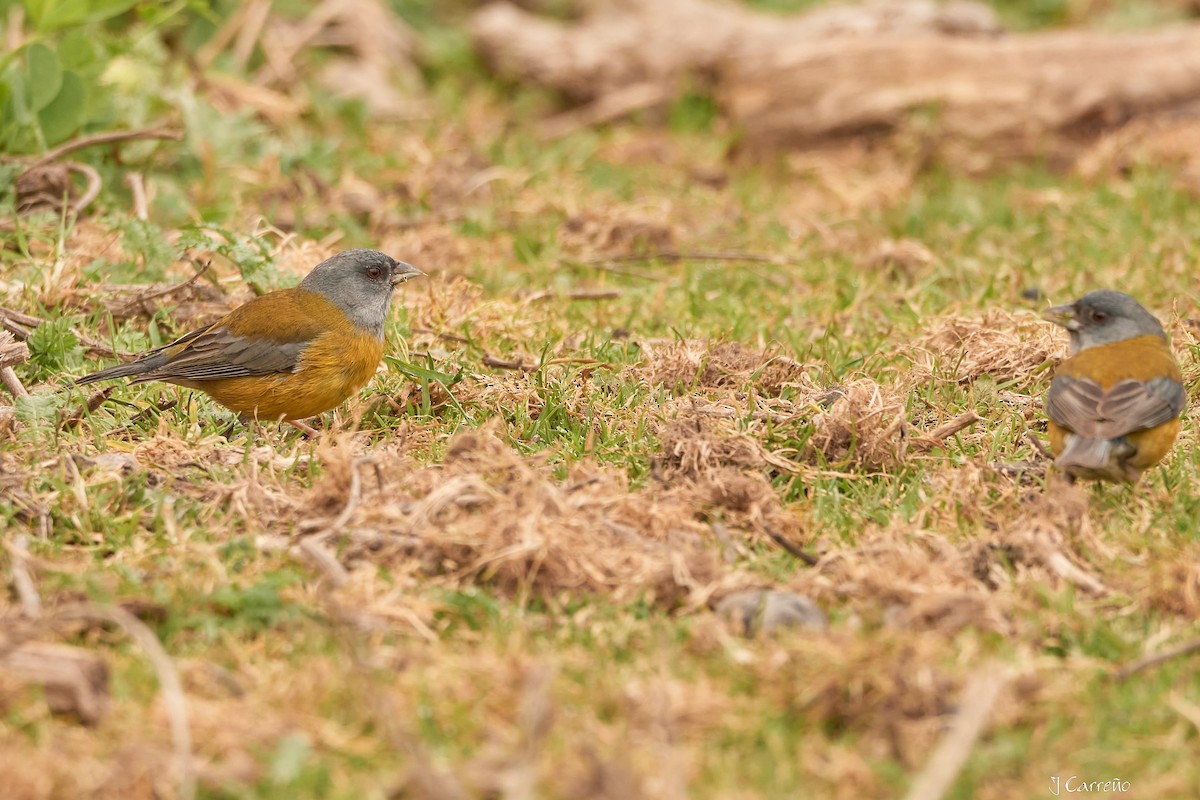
53	85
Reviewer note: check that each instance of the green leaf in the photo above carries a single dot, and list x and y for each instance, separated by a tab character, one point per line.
45	75
18	86
107	9
422	373
65	113
5	108
49	15
40	407
147	240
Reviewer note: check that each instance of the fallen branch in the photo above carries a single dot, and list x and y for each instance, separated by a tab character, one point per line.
19	317
832	71
669	42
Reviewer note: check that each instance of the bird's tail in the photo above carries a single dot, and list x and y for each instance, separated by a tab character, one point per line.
139	367
1095	457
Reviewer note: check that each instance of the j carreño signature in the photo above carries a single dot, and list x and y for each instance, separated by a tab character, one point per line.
1075	784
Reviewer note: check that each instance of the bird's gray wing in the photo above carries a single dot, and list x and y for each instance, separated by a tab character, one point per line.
1081	406
1072	402
1137	405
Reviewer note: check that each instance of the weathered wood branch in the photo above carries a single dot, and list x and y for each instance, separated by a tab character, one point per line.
832	71
622	43
1014	87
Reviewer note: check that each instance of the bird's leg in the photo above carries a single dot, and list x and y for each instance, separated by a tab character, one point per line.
307	430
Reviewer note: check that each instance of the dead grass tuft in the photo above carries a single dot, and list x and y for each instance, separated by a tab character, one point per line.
862	426
488	515
858	425
593	234
1174	585
924	580
1006	345
453	313
1041	544
899	257
909	579
705	461
694	447
682	366
883	689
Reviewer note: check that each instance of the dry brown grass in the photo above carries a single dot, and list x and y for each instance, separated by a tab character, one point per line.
485	515
1004	345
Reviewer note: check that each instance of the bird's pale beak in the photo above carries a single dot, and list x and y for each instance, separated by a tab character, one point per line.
1062	315
403	272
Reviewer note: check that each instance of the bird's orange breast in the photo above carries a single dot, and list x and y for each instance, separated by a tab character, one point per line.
332	367
1141	358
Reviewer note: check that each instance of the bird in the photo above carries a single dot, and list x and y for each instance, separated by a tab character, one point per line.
1114	404
288	354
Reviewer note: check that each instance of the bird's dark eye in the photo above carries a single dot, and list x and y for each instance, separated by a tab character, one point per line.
374	273
1099	316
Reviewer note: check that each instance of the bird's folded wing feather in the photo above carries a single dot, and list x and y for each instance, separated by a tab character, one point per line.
217	354
1081	406
230	350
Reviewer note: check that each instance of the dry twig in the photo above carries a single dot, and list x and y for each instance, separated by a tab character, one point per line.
325	560
22	581
353	498
12	352
974	707
137	188
700	255
141	299
575	294
108	137
783	542
500	363
947	429
1146	662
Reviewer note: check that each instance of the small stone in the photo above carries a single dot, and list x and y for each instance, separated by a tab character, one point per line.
765	611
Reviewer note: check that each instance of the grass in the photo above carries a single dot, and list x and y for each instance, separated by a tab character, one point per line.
528	562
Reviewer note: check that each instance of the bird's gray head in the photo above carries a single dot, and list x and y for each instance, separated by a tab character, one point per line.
1103	317
360	283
